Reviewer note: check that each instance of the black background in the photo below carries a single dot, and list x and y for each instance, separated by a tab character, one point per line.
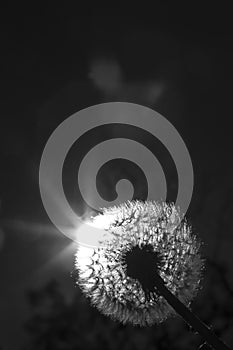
47	54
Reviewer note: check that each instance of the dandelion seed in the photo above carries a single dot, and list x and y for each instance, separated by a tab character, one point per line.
147	239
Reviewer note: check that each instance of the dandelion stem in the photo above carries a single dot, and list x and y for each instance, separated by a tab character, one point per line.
189	316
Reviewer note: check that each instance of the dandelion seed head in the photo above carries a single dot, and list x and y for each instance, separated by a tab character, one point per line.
145	238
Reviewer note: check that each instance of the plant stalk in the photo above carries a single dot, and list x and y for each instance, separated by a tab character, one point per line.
189	317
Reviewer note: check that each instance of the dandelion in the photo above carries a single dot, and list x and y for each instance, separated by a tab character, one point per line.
145	238
147	269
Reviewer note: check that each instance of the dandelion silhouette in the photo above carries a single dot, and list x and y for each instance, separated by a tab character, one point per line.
149	267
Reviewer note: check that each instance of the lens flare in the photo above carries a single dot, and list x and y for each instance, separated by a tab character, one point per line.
144	239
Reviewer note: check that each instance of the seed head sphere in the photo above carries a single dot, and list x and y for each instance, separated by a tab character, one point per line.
144	239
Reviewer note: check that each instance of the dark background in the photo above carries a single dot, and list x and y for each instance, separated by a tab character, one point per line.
56	61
